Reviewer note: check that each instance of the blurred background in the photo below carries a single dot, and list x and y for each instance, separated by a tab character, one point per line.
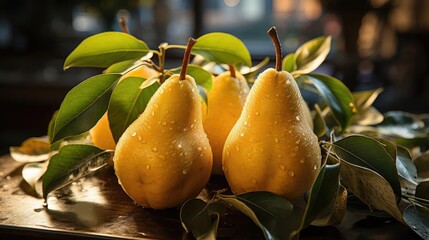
376	43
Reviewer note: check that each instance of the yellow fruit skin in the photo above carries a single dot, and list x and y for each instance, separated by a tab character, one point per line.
225	103
142	71
164	157
272	147
101	134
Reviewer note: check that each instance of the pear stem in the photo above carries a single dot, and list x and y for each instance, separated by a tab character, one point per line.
124	26
272	32
232	70
186	58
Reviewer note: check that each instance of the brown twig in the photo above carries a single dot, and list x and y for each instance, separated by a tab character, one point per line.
186	58
275	38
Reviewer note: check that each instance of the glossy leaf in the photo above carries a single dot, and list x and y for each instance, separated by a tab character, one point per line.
405	165
365	99
337	96
71	163
399	118
128	101
418	219
422	165
31	150
200	218
32	174
311	54
288	63
402	125
83	106
274	215
120	67
104	49
389	146
322	194
128	65
369	116
369	153
202	77
319	124
254	70
51	126
337	211
371	188
222	48
203	93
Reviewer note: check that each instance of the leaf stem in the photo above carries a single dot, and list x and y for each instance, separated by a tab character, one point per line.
272	32
232	70
124	26
161	60
186	58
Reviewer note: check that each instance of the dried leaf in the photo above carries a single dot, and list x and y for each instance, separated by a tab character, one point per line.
32	150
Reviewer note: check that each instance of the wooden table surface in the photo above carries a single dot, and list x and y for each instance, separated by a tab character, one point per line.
97	208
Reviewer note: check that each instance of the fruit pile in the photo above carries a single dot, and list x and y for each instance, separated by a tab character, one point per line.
169	130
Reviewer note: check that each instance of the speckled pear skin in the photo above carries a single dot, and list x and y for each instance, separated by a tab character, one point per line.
272	147
164	157
225	103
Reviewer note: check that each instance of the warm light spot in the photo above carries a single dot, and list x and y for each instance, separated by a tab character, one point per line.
368	34
311	9
231	3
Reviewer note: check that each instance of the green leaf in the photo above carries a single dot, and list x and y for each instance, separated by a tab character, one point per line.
288	63
366	114
71	163
402	125
422	165
253	71
311	54
319	124
128	101
369	116
104	49
203	93
200	218
323	193
405	165
52	125
337	96
364	99
120	67
202	77
369	153
222	48
371	188
337	210
31	150
399	118
274	215
418	219
83	106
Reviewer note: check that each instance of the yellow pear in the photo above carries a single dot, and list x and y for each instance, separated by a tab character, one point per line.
225	103
101	135
164	158
272	147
